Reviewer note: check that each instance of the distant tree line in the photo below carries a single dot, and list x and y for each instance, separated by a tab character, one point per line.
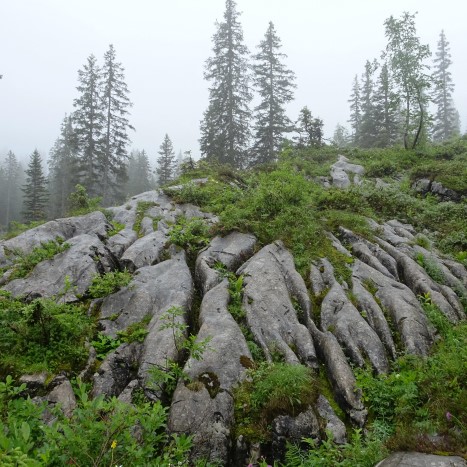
391	103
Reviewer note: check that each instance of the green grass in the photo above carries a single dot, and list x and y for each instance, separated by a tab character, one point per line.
109	283
25	263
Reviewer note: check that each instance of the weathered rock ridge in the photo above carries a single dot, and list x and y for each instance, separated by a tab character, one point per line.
354	323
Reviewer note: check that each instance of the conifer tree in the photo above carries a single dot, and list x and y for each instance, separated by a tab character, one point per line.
309	129
274	83
225	128
355	111
340	137
446	120
386	110
89	122
368	130
10	185
63	168
115	105
406	58
166	163
139	173
35	190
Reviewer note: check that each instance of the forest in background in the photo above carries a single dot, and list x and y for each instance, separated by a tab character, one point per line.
399	100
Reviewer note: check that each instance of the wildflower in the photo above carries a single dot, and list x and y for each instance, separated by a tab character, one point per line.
448	416
114	444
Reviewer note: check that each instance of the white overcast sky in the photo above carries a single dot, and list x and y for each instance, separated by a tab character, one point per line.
163	45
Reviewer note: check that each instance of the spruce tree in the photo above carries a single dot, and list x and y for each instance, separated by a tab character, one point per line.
341	137
139	173
355	111
309	129
406	58
89	122
35	190
63	168
367	128
10	194
386	110
274	83
115	105
446	120
166	163
225	128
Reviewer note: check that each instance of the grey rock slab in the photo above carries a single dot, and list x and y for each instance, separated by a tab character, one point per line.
422	185
94	223
340	178
354	334
121	241
231	251
446	194
418	459
173	288
344	164
149	291
117	370
457	270
206	410
191	211
286	428
333	423
371	254
368	306
402	306
270	284
145	251
86	257
416	278
147	226
195	181
62	395
341	378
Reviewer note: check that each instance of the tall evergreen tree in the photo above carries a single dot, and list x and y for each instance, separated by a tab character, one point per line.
386	110
446	120
89	121
355	111
63	170
166	163
309	129
10	195
274	83
341	137
139	173
225	128
406	58
367	133
35	190
115	103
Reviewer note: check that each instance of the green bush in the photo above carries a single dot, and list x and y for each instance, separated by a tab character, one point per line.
100	432
41	336
271	390
141	209
190	234
25	263
109	283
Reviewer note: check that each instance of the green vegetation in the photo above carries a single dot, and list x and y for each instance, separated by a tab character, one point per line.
41	336
109	283
117	227
190	234
423	396
271	390
80	203
25	263
164	378
109	426
136	332
141	209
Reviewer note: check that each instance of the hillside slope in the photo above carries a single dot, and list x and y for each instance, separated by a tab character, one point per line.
318	298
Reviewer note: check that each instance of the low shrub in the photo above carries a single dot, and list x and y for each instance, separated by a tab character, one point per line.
109	283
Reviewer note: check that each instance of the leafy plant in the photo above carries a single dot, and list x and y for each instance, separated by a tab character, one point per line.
25	263
41	335
191	234
117	227
109	283
104	344
141	209
136	332
164	378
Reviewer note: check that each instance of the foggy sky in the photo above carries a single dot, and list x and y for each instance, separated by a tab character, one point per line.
163	45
